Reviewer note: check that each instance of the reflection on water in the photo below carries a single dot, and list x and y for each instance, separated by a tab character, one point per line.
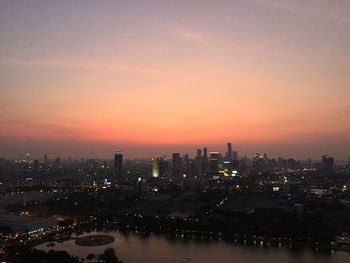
132	248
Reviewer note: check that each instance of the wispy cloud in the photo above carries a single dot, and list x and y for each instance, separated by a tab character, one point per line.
62	63
333	10
191	35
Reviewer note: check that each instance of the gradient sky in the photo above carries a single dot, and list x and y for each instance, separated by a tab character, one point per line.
83	78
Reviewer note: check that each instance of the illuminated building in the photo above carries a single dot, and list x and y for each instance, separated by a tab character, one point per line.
258	162
188	165
159	167
213	162
155	168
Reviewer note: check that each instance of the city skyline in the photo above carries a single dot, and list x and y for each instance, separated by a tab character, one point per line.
193	153
81	79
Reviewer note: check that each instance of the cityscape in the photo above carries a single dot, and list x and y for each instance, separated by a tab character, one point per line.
251	201
174	131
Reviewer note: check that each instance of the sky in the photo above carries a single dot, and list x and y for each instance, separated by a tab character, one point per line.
84	78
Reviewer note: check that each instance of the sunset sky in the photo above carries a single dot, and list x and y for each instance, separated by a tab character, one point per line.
84	78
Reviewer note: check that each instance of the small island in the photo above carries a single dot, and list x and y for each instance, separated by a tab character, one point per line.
94	240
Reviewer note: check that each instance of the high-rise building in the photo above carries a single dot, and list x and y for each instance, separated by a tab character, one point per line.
327	164
177	164
205	160
199	163
159	167
155	168
45	159
213	162
258	162
188	166
234	155
229	151
205	153
118	165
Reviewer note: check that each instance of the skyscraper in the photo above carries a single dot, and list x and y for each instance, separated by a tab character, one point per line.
159	167
205	153
176	165
214	162
118	165
327	164
199	163
205	160
155	168
229	152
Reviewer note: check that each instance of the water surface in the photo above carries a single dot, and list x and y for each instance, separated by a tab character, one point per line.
134	248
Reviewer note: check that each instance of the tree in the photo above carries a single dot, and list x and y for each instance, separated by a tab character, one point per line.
109	256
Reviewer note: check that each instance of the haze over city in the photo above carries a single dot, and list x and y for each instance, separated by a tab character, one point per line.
165	131
83	78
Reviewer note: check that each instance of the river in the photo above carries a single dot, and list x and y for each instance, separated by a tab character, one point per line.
135	248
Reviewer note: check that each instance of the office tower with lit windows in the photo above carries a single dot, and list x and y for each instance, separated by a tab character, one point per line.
118	165
213	162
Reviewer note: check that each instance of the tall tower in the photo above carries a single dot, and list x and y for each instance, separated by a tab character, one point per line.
213	162
205	153
205	160
155	168
177	163
229	151
199	163
118	165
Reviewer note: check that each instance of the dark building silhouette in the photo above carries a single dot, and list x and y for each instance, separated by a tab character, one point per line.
259	161
327	164
57	162
177	164
229	151
35	166
199	163
205	160
118	165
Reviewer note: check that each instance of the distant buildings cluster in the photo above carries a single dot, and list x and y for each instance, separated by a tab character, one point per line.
215	164
179	167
